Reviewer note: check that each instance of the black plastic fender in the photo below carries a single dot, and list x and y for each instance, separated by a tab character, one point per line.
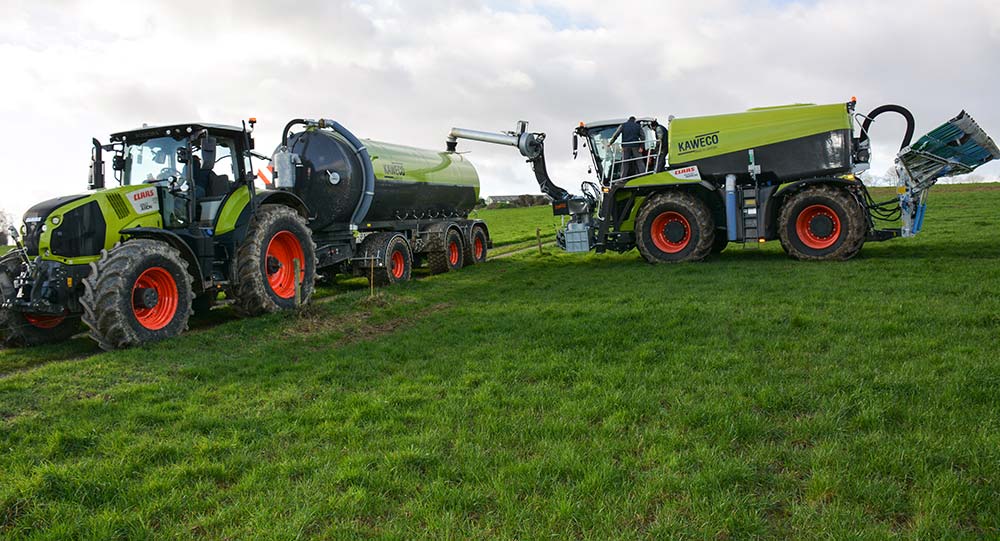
194	267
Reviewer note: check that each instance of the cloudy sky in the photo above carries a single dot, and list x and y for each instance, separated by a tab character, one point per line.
406	72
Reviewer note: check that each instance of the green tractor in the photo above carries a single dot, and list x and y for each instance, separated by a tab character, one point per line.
684	191
133	262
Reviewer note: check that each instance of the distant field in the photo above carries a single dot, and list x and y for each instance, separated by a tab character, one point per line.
5	249
546	396
512	226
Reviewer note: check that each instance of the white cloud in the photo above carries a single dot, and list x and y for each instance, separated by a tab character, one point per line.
406	72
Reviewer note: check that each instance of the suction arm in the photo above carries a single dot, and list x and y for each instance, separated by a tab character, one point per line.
531	146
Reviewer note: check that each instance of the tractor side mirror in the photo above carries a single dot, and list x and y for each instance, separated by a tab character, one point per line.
96	181
576	145
208	153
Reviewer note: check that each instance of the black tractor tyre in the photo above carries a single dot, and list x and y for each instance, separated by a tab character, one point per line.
822	223
395	259
24	330
449	256
674	226
474	251
720	242
137	293
264	276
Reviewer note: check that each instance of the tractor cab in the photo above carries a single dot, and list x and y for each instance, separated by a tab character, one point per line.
608	158
196	167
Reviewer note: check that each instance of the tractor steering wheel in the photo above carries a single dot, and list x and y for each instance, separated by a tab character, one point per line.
168	172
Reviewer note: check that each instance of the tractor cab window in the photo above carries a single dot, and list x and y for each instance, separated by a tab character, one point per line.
213	184
152	161
608	158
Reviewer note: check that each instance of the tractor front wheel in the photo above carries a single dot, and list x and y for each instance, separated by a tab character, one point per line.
673	227
822	223
137	293
265	279
22	329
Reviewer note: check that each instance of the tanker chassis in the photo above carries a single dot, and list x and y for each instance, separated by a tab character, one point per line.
134	262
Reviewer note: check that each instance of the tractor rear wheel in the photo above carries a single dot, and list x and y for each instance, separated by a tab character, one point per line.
264	276
474	251
822	223
674	226
394	259
137	293
449	257
21	329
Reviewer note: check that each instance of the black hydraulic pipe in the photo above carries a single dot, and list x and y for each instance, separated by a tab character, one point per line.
288	127
910	125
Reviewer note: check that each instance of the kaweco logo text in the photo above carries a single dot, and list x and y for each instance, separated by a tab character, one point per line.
698	142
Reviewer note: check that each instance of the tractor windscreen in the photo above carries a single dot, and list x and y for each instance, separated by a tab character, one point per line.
609	158
153	160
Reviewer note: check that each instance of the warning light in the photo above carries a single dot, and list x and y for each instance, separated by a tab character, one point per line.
762	241
854	99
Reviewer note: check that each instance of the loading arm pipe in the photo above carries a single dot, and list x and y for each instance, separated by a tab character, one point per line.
531	146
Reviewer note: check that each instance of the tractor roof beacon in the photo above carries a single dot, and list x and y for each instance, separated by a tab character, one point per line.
785	173
185	222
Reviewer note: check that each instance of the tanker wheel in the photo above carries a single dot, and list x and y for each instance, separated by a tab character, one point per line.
395	260
137	293
474	251
450	257
264	276
720	242
822	223
23	329
674	226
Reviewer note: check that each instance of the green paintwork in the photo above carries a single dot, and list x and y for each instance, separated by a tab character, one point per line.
114	224
697	138
659	179
398	163
231	210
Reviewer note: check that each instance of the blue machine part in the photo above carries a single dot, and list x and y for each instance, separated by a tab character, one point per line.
731	207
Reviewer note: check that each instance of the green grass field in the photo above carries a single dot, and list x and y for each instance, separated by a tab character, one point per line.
4	249
546	396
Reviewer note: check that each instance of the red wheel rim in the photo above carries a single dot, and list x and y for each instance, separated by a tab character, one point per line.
167	297
44	322
279	263
659	232
453	253
398	264
478	248
806	227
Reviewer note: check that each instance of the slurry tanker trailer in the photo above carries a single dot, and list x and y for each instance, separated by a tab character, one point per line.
186	222
786	173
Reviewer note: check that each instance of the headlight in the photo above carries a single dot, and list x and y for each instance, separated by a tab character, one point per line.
55	220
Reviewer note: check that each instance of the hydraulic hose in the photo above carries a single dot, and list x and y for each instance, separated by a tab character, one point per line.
910	125
288	127
368	193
